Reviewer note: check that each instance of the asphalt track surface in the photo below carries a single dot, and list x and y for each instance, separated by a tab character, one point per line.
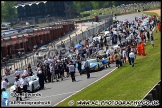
57	91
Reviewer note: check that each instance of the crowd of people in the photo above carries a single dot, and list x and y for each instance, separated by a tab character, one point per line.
132	39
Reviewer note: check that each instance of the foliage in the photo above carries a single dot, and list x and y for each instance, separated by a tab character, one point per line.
8	11
81	6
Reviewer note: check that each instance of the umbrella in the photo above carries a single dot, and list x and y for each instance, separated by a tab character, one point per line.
78	46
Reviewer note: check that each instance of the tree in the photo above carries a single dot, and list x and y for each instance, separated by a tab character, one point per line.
95	4
79	6
113	3
8	11
106	4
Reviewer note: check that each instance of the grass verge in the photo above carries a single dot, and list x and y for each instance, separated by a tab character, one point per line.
127	82
10	85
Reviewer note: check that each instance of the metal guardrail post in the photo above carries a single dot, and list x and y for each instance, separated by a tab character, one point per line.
14	66
154	94
70	40
158	88
149	97
82	35
76	38
21	63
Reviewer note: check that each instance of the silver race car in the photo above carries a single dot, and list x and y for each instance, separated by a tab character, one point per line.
33	84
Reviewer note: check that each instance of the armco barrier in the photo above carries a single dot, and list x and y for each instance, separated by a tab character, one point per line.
153	95
87	34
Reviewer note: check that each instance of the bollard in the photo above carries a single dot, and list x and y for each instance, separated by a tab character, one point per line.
27	59
21	64
154	94
25	62
160	83
14	66
149	97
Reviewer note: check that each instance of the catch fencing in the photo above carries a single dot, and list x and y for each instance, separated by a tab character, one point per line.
83	36
24	60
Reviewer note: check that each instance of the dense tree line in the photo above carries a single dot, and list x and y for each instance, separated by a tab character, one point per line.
8	12
81	6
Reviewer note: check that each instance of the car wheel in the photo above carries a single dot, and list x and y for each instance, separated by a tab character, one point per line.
99	68
32	88
106	65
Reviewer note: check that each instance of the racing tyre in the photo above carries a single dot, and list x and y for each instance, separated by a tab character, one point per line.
32	88
99	68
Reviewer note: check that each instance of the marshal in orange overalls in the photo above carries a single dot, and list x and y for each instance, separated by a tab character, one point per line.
138	49
143	49
142	36
159	27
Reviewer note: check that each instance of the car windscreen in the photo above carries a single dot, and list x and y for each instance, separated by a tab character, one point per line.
92	61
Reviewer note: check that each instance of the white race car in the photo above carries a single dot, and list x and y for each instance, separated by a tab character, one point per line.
33	84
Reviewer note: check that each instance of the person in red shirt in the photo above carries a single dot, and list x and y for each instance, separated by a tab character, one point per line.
86	43
142	36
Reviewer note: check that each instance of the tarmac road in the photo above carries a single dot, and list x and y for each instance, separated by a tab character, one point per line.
57	91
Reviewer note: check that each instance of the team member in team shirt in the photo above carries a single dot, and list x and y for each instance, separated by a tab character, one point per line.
17	88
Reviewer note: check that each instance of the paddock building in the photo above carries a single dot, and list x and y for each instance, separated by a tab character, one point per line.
25	40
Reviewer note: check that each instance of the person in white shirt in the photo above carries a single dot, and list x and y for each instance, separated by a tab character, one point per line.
132	56
87	68
17	88
4	85
72	71
25	72
52	71
25	84
17	73
124	55
107	51
46	61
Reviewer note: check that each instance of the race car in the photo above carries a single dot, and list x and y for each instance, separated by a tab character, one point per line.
33	84
95	65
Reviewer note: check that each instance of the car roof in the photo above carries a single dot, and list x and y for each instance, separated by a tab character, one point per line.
92	59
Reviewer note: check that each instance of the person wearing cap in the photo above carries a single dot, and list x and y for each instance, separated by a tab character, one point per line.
124	55
4	85
17	73
117	58
128	52
25	72
61	69
41	79
48	72
87	68
56	66
132	56
52	71
17	88
72	71
25	84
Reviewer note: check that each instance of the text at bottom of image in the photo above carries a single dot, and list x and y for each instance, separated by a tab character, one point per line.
30	103
114	103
